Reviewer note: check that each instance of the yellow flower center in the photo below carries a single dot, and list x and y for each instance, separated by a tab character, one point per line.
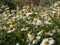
33	37
23	15
12	26
46	42
42	32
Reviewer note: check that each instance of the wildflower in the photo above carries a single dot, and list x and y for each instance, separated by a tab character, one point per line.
34	42
49	33
12	26
55	30
24	29
11	29
47	41
27	14
48	21
41	32
35	39
30	35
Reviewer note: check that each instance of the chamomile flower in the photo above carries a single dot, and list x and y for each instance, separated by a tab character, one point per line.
24	29
48	21
48	41
30	35
11	29
41	32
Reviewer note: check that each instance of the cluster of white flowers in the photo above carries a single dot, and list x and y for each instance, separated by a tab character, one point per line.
24	18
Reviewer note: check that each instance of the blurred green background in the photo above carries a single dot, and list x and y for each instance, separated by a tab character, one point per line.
22	2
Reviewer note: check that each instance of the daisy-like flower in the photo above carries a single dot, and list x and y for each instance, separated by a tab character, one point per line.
24	29
48	21
34	40
30	35
12	26
49	33
48	41
23	16
37	21
27	14
40	32
56	30
56	4
11	29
